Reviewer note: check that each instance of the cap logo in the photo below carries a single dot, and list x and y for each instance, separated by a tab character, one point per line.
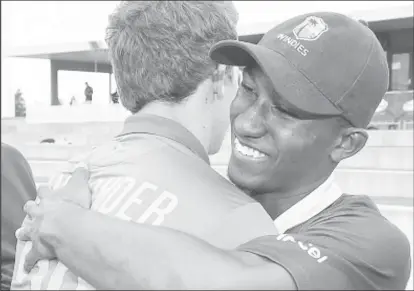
310	29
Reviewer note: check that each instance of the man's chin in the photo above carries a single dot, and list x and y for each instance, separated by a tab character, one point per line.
241	182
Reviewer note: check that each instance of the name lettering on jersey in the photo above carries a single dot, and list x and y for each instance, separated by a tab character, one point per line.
142	203
121	197
155	208
293	43
310	249
114	190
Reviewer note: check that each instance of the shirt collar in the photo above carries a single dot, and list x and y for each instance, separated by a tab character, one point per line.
313	204
160	126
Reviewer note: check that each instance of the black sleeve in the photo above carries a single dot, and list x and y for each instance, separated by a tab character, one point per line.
354	250
17	187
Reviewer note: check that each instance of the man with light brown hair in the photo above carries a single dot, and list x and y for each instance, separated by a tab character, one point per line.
157	170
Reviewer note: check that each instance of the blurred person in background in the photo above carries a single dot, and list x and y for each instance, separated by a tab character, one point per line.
115	97
88	93
17	187
72	101
309	90
20	104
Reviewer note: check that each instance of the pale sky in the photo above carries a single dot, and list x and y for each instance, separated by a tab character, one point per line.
30	23
43	22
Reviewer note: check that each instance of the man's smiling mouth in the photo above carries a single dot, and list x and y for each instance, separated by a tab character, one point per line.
247	151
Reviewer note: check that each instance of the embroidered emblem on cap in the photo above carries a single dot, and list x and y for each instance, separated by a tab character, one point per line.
310	29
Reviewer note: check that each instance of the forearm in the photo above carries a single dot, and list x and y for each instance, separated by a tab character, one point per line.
113	254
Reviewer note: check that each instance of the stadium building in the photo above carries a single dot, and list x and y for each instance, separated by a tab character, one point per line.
393	27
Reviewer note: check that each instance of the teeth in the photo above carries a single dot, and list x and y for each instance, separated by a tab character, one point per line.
247	151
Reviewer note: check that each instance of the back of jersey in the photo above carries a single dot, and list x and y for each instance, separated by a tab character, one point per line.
154	180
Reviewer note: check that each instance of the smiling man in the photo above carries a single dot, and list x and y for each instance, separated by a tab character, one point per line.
310	87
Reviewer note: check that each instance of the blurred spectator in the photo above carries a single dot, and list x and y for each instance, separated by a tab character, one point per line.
19	104
17	187
72	101
88	93
115	97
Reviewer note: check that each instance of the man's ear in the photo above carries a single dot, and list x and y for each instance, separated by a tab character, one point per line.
351	141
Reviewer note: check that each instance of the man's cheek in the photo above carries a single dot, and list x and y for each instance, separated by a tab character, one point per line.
299	136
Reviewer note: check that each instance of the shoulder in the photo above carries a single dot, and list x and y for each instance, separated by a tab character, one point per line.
9	153
358	217
350	244
368	235
13	160
18	184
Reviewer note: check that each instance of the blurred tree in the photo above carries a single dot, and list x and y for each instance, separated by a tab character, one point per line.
19	104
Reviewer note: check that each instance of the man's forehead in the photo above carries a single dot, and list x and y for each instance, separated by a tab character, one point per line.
252	74
256	75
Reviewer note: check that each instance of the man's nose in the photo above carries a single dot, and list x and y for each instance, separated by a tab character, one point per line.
250	123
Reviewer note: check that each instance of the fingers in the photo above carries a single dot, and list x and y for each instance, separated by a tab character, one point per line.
26	221
77	189
31	208
79	177
31	259
23	233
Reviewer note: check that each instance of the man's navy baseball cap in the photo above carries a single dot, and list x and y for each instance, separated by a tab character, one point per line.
323	63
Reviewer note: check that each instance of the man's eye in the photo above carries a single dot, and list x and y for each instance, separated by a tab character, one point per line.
247	88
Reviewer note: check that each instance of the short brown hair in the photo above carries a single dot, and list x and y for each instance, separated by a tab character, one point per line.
159	49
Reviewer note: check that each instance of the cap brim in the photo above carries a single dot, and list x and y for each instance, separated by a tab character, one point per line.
287	80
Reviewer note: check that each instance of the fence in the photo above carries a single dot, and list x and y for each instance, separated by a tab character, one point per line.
392	125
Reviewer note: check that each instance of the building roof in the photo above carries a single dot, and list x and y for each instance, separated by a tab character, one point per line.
87	51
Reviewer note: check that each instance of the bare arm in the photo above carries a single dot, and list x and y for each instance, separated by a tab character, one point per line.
114	254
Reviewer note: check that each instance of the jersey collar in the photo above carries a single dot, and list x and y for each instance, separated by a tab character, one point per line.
160	126
313	204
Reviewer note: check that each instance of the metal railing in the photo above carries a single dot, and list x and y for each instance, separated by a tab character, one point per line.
392	125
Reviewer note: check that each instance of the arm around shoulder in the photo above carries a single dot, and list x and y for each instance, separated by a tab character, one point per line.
254	272
114	254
